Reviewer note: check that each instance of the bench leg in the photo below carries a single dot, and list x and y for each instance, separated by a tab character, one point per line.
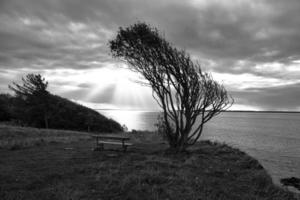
101	146
97	144
124	148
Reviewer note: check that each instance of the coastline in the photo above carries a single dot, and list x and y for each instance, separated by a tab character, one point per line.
272	139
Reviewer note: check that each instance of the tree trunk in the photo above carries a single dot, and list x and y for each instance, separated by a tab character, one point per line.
177	147
46	121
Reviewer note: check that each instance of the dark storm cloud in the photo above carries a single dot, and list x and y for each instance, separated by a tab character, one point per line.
225	31
257	37
40	34
272	98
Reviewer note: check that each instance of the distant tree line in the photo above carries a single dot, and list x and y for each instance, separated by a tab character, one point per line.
32	105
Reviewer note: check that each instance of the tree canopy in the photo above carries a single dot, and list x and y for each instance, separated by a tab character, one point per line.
33	98
33	84
188	96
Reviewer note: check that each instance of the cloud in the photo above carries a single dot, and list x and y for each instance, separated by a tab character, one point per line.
225	31
46	39
271	98
254	39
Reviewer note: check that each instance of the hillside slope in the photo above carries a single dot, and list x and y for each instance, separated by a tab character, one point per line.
61	114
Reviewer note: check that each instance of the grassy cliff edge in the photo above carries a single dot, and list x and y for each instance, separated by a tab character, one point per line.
62	165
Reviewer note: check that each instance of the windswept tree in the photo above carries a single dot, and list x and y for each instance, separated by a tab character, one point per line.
188	96
34	97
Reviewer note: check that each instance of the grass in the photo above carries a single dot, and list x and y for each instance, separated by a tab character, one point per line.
71	170
15	138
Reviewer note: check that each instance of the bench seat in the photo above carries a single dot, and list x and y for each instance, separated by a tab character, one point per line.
112	142
111	139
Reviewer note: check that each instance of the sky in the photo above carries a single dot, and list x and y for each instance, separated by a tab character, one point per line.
252	47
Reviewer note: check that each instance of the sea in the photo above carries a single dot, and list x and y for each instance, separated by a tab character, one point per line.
272	138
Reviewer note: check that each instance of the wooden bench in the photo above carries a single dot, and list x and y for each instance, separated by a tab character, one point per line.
111	139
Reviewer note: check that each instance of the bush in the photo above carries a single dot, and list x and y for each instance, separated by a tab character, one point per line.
5	107
161	128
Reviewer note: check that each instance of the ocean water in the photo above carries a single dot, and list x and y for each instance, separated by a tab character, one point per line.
272	138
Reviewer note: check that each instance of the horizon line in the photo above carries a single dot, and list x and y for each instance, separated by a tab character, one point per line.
145	110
